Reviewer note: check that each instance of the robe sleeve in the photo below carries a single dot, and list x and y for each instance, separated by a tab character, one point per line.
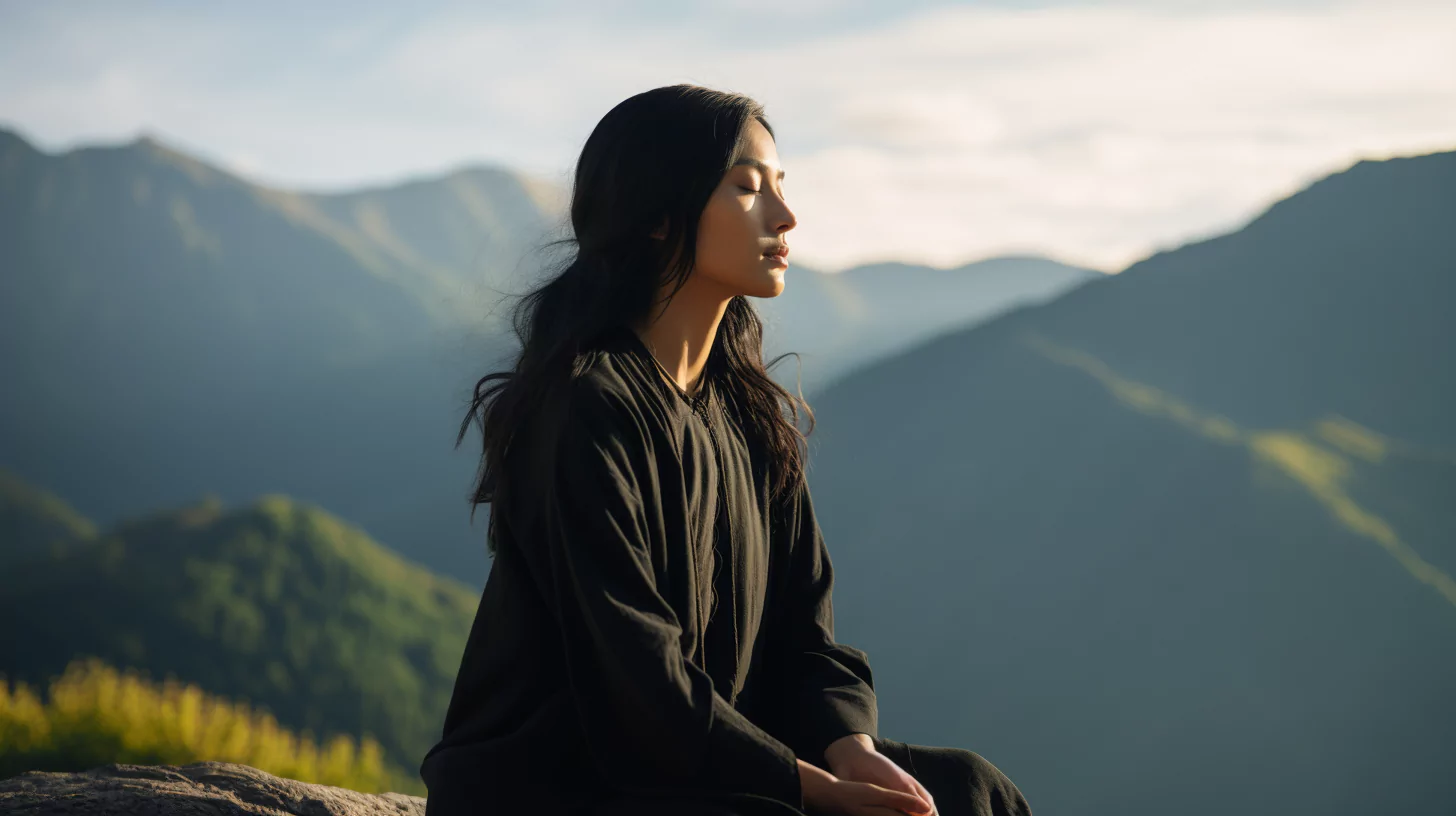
652	719
830	685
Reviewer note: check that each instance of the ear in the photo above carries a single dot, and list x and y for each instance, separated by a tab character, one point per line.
661	232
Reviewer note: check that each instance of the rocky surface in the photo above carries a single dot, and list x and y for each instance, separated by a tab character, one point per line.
199	789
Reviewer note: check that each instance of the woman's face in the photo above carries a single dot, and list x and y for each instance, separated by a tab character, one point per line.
745	218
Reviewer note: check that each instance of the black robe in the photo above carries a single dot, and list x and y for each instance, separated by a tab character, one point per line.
594	670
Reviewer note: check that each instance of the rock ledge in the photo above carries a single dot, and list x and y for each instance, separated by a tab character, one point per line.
198	789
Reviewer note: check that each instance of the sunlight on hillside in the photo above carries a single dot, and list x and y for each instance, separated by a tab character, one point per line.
1323	472
97	715
1353	439
1144	398
194	236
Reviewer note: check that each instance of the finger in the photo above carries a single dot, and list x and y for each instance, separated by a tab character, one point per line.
908	802
910	785
883	810
913	786
900	781
925	794
870	794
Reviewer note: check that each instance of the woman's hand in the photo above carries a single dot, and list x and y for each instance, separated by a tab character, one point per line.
865	799
854	759
824	793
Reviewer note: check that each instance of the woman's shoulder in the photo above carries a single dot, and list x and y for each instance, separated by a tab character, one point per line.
603	402
602	387
611	381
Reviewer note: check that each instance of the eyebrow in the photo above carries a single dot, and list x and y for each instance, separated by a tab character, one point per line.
762	168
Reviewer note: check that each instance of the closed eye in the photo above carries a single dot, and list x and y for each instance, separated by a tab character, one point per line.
747	189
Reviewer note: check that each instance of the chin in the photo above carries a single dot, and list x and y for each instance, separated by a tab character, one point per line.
760	283
764	282
773	288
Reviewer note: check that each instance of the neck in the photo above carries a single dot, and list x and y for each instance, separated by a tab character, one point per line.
681	334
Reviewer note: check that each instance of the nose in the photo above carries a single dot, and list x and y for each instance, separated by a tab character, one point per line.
786	219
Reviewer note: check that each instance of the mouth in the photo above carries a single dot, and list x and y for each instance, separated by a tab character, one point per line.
780	254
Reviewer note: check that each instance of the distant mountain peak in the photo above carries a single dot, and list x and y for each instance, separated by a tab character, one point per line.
11	139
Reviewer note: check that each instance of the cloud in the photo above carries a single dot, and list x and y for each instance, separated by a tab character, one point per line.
1094	134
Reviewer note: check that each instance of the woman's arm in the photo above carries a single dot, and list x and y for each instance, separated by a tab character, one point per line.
652	719
830	684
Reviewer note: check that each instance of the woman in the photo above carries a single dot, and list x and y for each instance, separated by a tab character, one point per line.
656	634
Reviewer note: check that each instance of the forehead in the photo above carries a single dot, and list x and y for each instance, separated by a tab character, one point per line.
759	151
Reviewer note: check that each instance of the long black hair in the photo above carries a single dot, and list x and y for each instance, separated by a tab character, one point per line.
657	156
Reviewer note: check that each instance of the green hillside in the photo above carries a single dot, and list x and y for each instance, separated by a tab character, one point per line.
37	523
277	603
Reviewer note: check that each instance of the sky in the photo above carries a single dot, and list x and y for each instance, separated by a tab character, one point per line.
922	132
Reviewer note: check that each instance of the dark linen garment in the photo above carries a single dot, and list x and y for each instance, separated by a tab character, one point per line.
656	635
585	675
962	782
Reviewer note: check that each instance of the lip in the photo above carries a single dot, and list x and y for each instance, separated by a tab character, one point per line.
779	254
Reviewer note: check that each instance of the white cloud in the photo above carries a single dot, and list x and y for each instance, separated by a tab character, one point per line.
1091	134
1097	134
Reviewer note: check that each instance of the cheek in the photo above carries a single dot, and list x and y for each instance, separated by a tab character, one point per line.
725	234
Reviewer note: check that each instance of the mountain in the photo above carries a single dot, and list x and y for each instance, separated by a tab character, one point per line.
1334	300
841	320
276	603
1186	531
168	328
